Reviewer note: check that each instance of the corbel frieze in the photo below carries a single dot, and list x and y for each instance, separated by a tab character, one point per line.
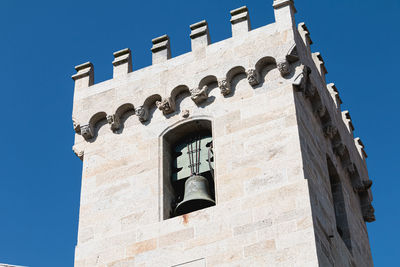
87	131
301	81
351	168
166	105
224	87
283	66
319	110
339	149
142	113
362	186
330	130
199	95
252	77
283	63
114	122
368	212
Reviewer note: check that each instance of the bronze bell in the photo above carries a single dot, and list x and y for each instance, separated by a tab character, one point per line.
197	195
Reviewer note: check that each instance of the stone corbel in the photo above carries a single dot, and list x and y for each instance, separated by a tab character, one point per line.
114	122
339	148
319	110
252	77
351	168
166	105
310	91
368	212
360	147
78	152
292	56
224	87
301	80
283	66
362	186
142	113
311	88
77	126
87	131
199	95
330	130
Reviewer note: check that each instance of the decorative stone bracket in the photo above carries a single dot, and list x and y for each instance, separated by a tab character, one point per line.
142	113
319	109
362	186
87	131
224	86
252	77
310	91
283	66
330	130
339	149
114	122
199	95
368	212
351	168
166	105
301	81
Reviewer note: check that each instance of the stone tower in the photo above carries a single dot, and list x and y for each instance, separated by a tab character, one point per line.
287	181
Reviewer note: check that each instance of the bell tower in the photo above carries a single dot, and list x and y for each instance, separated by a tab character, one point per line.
234	154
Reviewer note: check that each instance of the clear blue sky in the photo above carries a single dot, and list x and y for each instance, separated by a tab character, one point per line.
41	42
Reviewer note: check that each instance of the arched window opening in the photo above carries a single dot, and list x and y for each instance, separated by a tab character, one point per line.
188	168
339	205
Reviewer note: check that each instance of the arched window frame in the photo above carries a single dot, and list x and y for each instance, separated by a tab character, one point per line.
167	138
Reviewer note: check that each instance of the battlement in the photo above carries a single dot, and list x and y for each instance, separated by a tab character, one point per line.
248	52
202	49
240	22
279	141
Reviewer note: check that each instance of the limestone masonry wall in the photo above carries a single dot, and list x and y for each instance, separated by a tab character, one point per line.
274	123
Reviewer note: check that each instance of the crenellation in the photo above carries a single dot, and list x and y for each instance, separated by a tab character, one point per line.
361	148
347	120
320	64
342	140
84	76
305	35
161	49
335	95
122	63
200	36
284	11
240	21
277	134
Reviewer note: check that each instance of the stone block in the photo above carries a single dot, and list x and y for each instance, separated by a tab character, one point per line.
141	247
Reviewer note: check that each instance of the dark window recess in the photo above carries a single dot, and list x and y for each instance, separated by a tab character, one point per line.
339	205
188	168
192	173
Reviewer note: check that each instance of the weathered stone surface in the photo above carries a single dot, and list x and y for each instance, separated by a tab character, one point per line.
263	91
